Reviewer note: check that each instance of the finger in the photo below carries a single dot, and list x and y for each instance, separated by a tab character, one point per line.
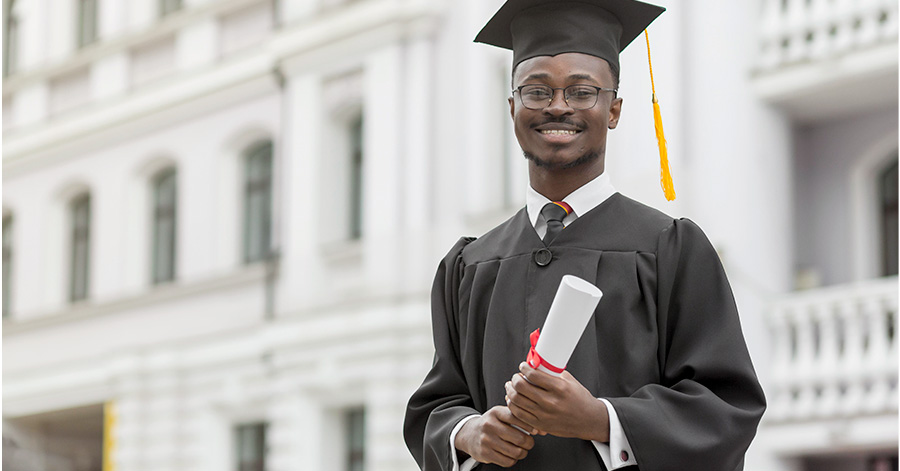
492	456
531	420
522	400
509	418
523	388
537	377
501	423
507	449
517	441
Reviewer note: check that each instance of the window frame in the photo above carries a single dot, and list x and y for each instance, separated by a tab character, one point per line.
87	33
259	156
8	227
355	211
168	7
159	216
260	463
11	33
887	217
355	428
79	267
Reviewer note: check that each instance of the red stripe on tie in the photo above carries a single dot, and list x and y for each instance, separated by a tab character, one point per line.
564	205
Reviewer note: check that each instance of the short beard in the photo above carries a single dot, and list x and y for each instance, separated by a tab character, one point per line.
584	159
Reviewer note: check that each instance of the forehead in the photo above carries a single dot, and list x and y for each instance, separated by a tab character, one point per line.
562	66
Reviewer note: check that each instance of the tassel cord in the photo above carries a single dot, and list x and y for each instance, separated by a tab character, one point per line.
665	175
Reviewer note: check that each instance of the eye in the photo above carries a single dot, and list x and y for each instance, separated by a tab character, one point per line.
536	92
581	92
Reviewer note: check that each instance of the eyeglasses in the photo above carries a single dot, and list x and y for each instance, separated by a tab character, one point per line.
578	97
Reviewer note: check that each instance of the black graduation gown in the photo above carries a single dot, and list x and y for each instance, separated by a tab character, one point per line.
664	346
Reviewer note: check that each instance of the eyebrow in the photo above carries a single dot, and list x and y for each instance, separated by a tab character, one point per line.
544	76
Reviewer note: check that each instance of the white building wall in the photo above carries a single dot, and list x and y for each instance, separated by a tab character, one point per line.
349	325
829	156
740	167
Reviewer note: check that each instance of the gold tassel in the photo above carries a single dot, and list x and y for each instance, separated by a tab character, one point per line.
665	177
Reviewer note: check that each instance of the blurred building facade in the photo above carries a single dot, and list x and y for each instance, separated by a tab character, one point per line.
221	217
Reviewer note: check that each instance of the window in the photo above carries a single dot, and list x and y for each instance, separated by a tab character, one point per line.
343	172
356	439
167	7
887	182
257	201
251	447
356	178
80	211
87	22
164	212
7	264
10	38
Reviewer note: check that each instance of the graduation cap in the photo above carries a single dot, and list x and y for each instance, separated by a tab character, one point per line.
601	28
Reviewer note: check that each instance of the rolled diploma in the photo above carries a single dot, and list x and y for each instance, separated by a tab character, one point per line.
569	314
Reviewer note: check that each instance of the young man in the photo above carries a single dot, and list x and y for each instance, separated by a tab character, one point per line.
661	378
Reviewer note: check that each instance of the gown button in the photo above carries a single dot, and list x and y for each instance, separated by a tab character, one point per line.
542	257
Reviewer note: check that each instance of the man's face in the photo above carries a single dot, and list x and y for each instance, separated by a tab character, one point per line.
559	136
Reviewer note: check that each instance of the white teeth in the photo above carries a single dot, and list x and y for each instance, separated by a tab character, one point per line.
558	132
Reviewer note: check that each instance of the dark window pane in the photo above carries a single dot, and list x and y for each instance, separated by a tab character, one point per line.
889	234
356	439
250	447
10	39
169	6
87	22
80	211
356	178
7	264
258	202
164	224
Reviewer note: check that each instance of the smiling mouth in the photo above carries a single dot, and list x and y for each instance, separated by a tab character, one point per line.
558	132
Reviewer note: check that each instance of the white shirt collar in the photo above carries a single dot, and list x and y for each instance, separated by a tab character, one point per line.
582	200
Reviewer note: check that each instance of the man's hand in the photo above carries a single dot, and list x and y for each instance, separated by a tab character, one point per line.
492	438
557	406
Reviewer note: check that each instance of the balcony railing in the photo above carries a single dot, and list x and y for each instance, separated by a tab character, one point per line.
795	31
835	352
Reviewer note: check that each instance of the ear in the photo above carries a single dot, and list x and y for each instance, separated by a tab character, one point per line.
512	107
615	110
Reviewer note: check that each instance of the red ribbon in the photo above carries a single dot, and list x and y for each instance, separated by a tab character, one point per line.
535	360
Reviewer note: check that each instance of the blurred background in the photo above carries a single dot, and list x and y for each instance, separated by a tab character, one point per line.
221	218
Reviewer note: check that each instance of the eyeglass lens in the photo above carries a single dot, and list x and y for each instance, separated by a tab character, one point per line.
579	97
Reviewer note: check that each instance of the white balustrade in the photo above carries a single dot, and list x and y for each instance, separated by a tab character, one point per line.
797	31
834	352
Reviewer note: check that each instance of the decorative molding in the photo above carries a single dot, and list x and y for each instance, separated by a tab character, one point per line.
156	295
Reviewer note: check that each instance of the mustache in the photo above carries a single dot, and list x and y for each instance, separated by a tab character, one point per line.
563	120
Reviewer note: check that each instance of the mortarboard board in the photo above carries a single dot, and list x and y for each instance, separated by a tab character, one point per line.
601	28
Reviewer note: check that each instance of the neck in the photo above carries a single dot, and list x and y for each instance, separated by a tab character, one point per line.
556	184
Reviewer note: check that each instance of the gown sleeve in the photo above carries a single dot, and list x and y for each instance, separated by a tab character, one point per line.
443	399
705	411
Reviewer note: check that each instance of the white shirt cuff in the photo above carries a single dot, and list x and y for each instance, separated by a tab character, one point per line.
617	454
469	463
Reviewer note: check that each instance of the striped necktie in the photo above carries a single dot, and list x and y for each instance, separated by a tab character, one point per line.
554	213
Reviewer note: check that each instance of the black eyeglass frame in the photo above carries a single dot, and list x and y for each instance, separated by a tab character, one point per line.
565	98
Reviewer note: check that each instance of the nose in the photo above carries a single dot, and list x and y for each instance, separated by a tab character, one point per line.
558	105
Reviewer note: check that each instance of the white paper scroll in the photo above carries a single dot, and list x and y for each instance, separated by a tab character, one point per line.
569	314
